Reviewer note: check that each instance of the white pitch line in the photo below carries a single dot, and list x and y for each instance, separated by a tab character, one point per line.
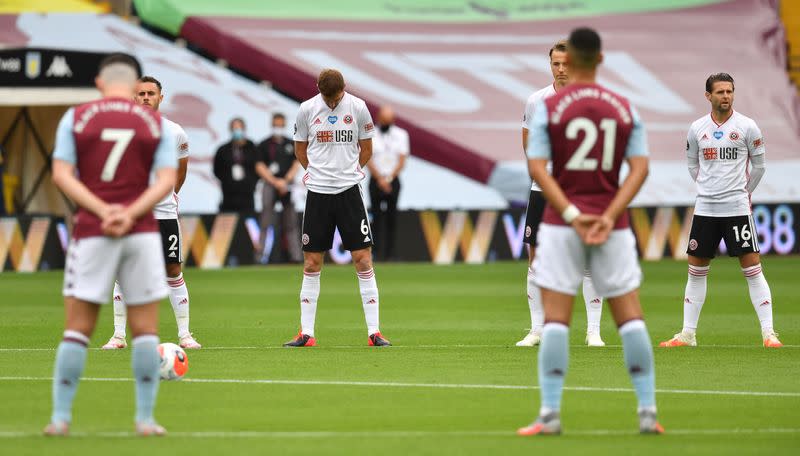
401	434
406	347
428	385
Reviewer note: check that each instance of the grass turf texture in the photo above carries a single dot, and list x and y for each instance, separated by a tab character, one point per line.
450	325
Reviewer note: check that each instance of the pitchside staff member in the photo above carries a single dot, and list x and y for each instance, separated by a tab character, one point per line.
235	167
277	166
390	149
333	141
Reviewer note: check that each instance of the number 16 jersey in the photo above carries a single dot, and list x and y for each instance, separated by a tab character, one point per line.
723	153
587	131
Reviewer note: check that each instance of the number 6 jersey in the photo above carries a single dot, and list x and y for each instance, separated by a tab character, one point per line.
587	131
332	136
723	151
114	144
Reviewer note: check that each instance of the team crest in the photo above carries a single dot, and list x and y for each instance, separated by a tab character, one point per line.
528	231
333	119
306	240
734	136
693	244
33	64
348	119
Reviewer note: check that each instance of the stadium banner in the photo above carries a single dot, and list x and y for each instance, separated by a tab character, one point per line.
38	243
41	67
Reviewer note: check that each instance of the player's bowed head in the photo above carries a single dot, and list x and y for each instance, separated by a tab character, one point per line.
331	85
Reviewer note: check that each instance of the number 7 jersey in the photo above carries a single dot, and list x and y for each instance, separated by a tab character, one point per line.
587	131
114	145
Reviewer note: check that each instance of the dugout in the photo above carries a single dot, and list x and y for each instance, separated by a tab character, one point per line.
36	87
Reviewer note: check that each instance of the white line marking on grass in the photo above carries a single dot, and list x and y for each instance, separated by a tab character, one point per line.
398	434
428	385
405	347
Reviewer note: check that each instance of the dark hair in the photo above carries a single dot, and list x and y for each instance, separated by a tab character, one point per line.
152	80
330	82
584	47
278	115
120	58
718	77
560	46
236	119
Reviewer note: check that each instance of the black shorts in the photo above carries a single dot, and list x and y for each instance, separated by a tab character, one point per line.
738	232
533	216
171	240
345	211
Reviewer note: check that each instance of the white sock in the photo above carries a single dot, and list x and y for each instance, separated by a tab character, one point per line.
368	287
694	297
760	296
179	298
120	312
594	304
309	293
535	303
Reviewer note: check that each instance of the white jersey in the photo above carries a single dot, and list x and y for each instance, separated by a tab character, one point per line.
530	108
724	152
387	148
332	137
168	207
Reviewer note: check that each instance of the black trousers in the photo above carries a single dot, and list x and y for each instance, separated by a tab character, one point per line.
384	218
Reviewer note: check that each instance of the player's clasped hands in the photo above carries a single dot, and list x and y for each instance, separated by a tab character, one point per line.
593	229
117	221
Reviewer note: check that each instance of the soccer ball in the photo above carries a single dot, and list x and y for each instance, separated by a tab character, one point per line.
174	363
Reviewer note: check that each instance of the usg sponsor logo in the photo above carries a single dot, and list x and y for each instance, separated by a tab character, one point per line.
13	65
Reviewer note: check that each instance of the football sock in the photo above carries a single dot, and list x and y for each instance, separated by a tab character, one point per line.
70	359
760	295
179	298
553	360
639	359
309	293
120	312
694	297
146	361
594	304
368	287
535	303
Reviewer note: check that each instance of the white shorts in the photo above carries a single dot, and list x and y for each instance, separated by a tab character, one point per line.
561	259
136	261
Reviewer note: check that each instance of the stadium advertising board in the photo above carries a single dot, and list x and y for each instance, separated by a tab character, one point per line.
31	243
39	67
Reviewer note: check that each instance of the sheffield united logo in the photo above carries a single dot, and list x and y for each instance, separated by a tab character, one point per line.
693	244
734	136
528	231
348	119
305	239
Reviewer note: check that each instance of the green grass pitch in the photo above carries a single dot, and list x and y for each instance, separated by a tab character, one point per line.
453	383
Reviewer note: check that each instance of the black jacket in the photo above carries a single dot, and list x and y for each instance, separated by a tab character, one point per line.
237	191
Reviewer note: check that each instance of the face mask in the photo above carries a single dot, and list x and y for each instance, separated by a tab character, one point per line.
278	131
237	134
385	128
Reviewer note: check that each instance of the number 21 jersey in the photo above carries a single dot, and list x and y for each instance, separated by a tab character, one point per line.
587	131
